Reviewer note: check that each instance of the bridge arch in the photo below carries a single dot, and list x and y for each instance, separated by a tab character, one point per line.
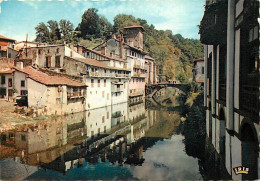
151	90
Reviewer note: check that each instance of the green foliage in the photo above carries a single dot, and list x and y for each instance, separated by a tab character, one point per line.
173	53
89	25
42	33
54	32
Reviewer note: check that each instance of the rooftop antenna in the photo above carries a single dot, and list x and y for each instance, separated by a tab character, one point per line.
26	44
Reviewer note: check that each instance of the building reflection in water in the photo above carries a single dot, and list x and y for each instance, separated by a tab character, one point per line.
121	135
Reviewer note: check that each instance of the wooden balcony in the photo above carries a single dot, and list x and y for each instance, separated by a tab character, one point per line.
213	26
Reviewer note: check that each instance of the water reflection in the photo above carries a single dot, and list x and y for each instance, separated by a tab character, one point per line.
115	142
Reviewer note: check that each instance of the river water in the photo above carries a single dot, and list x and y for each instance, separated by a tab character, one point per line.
134	142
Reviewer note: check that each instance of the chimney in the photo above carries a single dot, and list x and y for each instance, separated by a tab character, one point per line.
19	65
121	46
79	50
103	50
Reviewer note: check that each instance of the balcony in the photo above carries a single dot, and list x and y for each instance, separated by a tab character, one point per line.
139	75
213	26
117	114
108	74
136	94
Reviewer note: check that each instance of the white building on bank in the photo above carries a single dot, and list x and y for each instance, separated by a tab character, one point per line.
107	85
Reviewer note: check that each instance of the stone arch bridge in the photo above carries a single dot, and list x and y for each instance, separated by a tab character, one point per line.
150	90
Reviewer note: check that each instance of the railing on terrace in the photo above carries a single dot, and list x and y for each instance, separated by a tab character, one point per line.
99	74
136	93
71	95
117	115
139	75
117	90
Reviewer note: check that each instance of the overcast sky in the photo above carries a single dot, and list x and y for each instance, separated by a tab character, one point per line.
20	17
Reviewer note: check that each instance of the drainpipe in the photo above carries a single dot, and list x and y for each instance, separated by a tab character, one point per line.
205	75
230	64
213	81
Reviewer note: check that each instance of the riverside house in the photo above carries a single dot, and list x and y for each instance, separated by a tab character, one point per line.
129	46
106	85
51	94
229	31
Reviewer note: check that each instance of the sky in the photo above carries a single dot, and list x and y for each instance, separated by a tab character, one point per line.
18	17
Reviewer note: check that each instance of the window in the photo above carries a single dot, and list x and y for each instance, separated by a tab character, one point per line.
57	61
92	82
2	79
202	70
22	83
58	50
87	53
10	82
48	62
23	138
105	82
107	115
98	83
39	51
103	119
9	55
23	92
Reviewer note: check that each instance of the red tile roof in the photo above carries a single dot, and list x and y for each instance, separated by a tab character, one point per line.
200	80
89	61
199	59
134	26
6	68
95	63
49	80
106	56
5	38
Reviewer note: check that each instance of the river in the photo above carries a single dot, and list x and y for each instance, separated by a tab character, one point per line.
136	142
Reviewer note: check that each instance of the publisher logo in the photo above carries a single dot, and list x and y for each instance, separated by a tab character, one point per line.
241	170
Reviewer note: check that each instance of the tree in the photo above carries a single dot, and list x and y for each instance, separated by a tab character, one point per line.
66	27
54	31
42	33
106	27
123	20
90	23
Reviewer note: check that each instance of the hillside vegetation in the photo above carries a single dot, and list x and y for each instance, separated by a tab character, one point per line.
173	53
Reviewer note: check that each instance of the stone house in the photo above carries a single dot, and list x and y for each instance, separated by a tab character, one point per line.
4	44
198	71
51	94
151	76
107	85
129	47
6	78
